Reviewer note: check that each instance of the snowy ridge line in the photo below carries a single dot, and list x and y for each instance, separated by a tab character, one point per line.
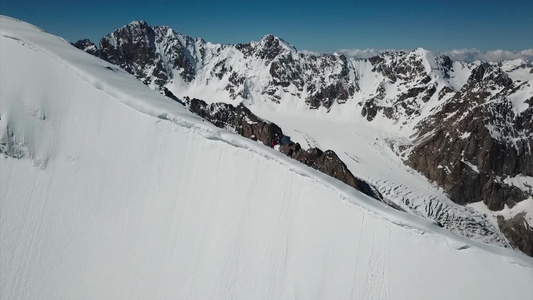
163	109
142	99
130	100
351	196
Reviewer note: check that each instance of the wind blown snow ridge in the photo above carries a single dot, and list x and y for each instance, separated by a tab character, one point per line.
153	202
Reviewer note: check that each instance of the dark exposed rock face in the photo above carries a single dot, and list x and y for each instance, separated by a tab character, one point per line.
238	119
324	79
87	46
402	66
519	232
131	48
249	125
329	163
241	120
171	95
406	70
476	141
221	115
135	48
271	47
325	161
342	85
473	140
11	146
471	158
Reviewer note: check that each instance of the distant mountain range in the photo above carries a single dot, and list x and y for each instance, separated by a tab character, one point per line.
466	127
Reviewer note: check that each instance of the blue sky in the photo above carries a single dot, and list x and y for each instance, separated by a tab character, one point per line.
309	25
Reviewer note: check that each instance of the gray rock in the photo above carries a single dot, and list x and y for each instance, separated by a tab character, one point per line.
519	232
329	163
87	46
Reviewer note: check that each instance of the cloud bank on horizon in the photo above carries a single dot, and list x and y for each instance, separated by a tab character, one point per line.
468	55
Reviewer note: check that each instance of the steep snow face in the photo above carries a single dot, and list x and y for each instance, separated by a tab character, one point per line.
117	192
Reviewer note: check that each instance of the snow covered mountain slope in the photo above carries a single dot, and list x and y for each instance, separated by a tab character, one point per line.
465	127
109	190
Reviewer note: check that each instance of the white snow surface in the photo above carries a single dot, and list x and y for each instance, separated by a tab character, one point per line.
110	191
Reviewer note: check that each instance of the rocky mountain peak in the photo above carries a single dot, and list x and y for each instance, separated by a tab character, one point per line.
422	53
270	47
487	74
136	31
87	46
272	41
269	38
139	24
401	65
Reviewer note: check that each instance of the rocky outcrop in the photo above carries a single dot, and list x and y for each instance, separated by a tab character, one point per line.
250	126
329	163
242	121
221	115
475	140
518	231
325	161
132	48
409	74
137	48
237	119
171	95
87	46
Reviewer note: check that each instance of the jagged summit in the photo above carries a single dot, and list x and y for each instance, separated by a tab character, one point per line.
139	23
421	52
270	40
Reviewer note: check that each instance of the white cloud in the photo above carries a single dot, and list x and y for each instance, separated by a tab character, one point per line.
307	52
492	55
359	53
467	55
363	53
